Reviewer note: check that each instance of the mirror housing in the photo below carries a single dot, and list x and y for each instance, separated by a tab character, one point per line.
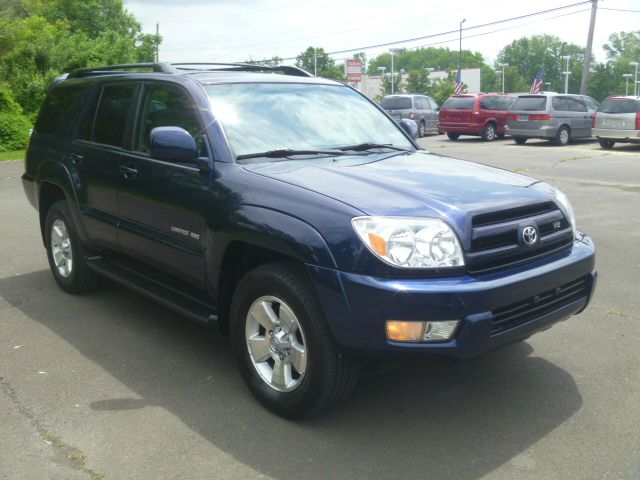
410	127
172	144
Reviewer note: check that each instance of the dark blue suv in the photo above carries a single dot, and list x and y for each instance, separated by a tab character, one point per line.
295	214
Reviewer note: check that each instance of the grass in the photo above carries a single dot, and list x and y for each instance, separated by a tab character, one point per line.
15	155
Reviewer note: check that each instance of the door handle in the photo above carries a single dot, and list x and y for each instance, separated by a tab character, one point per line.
76	158
128	171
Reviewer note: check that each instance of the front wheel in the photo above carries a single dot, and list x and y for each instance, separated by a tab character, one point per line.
422	131
66	253
608	144
453	136
520	140
283	346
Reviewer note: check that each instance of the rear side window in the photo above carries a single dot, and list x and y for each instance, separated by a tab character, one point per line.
111	117
490	103
459	103
619	105
396	103
432	103
530	104
58	104
561	104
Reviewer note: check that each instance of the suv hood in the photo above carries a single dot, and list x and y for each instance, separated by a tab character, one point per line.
416	184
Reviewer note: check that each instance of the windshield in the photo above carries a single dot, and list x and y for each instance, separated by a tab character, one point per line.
459	103
262	117
530	104
396	103
619	105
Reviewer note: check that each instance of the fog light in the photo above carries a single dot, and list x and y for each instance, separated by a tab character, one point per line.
439	331
405	331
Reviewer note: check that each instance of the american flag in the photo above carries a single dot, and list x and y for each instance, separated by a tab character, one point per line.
459	82
536	86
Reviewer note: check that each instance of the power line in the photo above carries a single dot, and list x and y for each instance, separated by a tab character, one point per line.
619	10
497	22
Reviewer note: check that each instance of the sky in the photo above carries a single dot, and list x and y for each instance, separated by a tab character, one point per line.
239	30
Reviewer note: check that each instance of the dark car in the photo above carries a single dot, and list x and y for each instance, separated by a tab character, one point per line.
555	117
320	239
422	109
475	114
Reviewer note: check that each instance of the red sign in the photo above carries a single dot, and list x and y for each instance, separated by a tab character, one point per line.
354	70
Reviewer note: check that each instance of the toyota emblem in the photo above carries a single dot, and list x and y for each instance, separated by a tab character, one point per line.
529	235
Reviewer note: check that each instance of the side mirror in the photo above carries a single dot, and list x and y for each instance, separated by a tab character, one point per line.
173	144
410	128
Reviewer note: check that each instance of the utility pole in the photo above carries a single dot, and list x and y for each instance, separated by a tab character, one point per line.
157	42
587	53
460	67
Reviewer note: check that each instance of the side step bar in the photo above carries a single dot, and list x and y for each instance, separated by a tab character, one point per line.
182	299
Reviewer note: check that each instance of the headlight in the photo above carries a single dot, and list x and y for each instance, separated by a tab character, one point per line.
562	200
410	242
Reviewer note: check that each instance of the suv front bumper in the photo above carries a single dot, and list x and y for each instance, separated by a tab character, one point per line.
473	300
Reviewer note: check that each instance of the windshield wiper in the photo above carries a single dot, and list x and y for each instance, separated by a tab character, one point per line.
372	146
286	152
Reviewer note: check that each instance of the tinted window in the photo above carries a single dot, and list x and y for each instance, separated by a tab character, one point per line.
85	130
167	105
459	103
433	103
561	104
396	103
592	105
506	102
490	103
619	105
576	105
530	104
420	104
111	117
55	109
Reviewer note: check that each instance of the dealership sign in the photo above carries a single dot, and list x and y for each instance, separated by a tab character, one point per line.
354	70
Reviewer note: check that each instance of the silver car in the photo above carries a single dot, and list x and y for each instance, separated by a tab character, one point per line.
422	109
551	116
617	120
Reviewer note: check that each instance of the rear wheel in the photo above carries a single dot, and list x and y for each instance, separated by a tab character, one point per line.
422	131
453	136
283	346
520	140
608	144
563	137
65	252
489	132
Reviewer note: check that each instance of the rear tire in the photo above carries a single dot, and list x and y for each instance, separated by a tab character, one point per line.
563	137
489	132
283	345
453	136
607	144
520	140
66	253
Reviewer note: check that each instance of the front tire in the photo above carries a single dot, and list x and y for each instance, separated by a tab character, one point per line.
607	144
520	140
66	253
422	131
283	346
453	136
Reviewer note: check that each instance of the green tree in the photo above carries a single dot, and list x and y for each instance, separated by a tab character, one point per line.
419	81
267	62
323	64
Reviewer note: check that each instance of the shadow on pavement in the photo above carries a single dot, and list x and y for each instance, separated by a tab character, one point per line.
459	420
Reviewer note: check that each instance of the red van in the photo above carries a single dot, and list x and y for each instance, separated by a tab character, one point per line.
481	114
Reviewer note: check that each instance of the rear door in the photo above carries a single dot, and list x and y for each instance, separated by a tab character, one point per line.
457	110
618	114
95	157
526	111
163	205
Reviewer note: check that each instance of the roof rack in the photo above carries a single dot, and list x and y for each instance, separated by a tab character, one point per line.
242	67
115	69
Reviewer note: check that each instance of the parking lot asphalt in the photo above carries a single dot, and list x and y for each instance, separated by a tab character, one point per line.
109	385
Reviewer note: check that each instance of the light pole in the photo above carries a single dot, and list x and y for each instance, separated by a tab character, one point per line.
566	73
463	20
548	84
503	65
627	76
315	64
393	51
635	78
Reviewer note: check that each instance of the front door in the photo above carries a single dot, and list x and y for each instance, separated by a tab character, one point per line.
162	204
